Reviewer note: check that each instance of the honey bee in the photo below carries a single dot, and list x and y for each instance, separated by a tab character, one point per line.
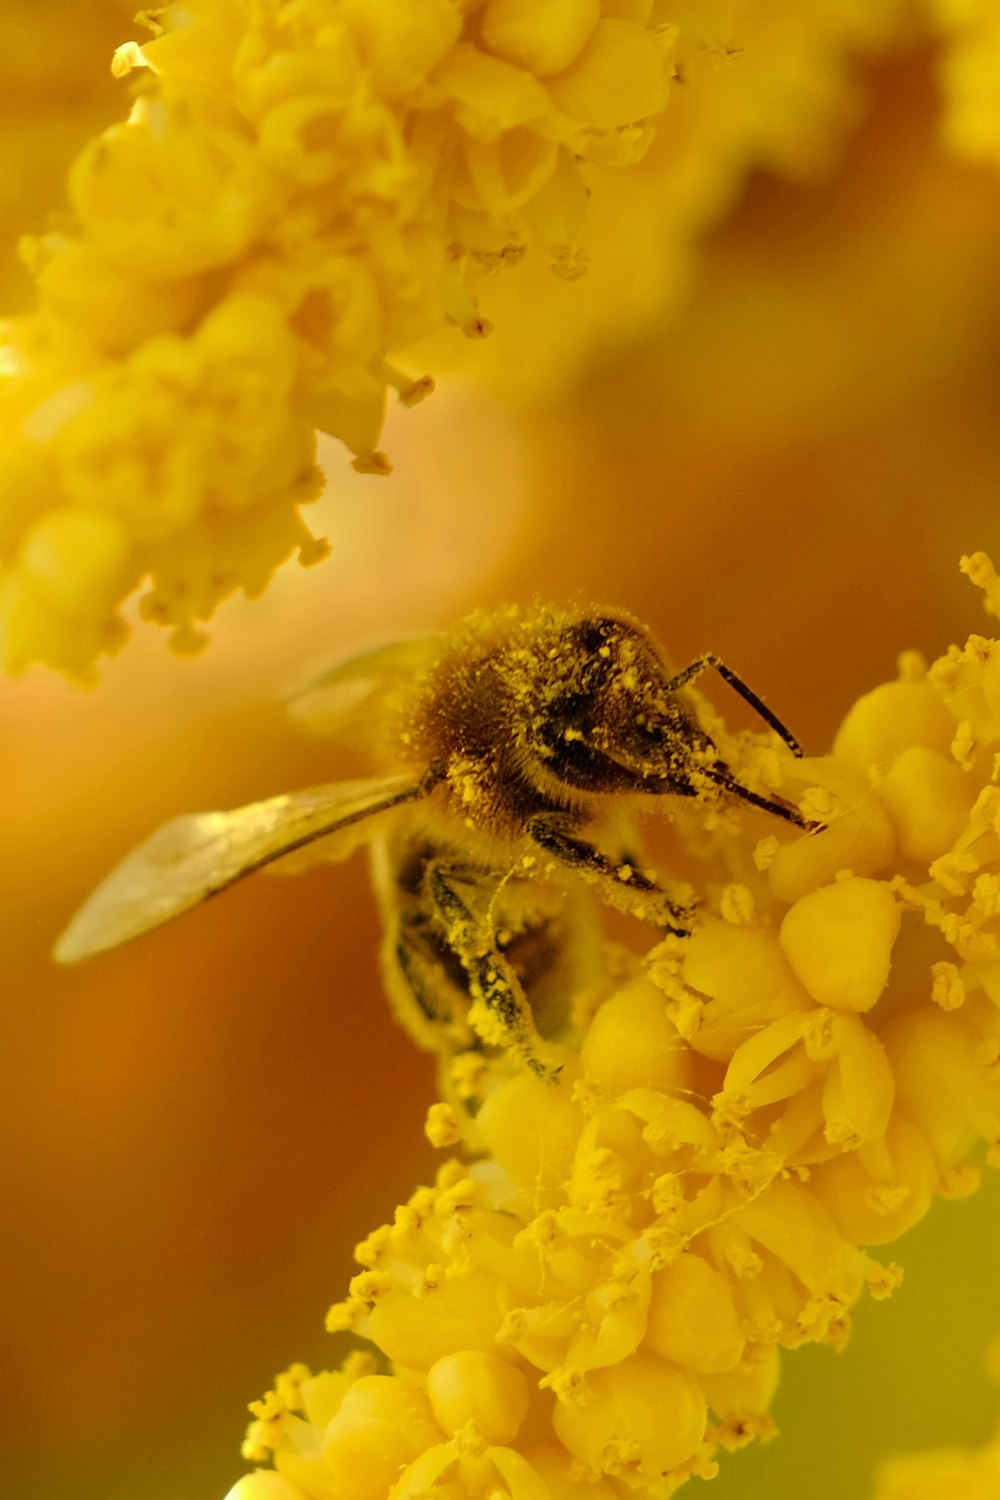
517	752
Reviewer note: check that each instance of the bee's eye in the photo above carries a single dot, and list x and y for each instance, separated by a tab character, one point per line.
642	732
570	712
575	745
596	637
564	720
592	635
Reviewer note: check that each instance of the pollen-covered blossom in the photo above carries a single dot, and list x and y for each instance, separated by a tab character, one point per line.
592	1301
300	188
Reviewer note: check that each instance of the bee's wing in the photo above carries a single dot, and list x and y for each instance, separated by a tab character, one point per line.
334	702
194	857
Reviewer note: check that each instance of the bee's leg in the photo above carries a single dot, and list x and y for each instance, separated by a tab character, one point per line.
429	1001
708	660
500	1011
620	885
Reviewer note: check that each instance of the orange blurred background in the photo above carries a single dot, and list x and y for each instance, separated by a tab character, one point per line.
201	1126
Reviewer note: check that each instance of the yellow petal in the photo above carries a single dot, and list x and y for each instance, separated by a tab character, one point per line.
839	942
692	1316
541	35
643	1417
480	1387
619	77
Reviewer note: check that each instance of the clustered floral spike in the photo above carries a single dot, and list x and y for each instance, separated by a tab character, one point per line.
301	186
304	188
595	1304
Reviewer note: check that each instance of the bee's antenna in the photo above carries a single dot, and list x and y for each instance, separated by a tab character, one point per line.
776	805
709	659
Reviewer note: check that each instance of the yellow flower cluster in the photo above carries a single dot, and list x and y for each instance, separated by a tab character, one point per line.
767	85
300	187
970	67
51	100
596	1303
306	188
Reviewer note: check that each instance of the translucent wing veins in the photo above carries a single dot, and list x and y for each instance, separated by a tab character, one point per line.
192	858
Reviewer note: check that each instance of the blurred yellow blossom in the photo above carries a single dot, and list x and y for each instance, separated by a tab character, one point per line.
598	1295
970	66
950	1474
945	1474
55	90
301	186
759	84
305	190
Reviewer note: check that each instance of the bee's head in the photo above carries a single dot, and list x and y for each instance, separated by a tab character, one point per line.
601	716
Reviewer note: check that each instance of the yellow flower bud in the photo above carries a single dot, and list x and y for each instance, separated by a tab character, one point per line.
382	1425
613	1324
875	1194
555	1468
531	1128
741	1394
479	1387
558	210
620	76
461	1312
860	1088
442	1127
772	1063
120	311
632	1043
171	192
490	95
692	1316
268	78
790	1221
264	1484
401	40
893	718
30	628
73	556
859	837
198	41
928	798
299	1458
541	35
839	942
641	1419
707	24
938	1079
518	1477
322	1395
748	980
428	1475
